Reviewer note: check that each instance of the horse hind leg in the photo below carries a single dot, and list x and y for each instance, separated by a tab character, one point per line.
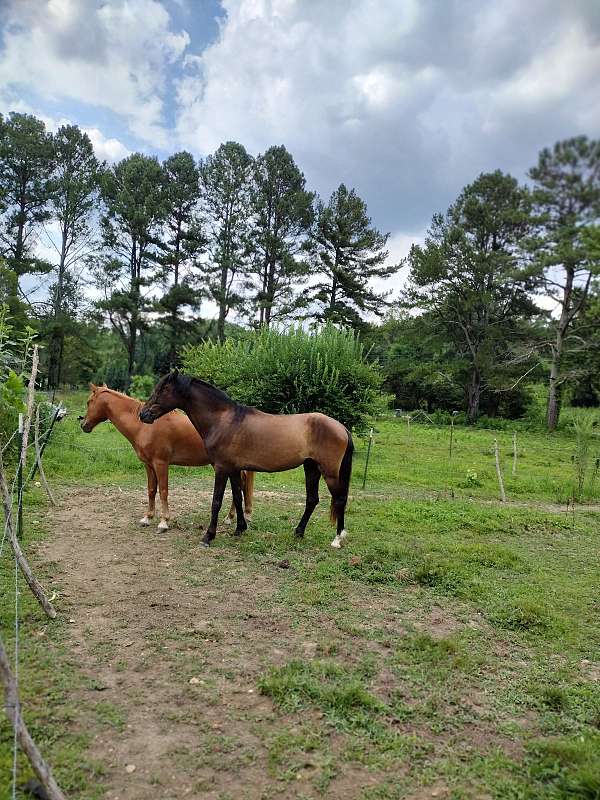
339	500
236	489
152	486
312	475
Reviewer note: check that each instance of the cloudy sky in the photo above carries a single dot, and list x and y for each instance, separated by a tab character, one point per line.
405	100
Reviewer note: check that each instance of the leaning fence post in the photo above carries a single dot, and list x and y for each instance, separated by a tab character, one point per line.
28	746
367	459
499	472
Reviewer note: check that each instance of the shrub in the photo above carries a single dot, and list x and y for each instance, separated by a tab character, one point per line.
14	359
294	371
141	386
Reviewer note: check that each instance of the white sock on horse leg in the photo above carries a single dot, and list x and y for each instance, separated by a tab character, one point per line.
339	538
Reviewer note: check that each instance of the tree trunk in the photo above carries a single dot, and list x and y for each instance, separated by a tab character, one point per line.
554	386
554	390
474	395
222	304
57	338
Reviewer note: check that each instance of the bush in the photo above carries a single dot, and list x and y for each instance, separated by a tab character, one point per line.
141	386
294	371
14	359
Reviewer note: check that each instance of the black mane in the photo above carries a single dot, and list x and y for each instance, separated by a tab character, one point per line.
185	382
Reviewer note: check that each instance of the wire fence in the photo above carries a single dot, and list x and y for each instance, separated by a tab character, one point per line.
12	494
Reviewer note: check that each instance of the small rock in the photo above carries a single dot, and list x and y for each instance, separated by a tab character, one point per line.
194	681
283	564
71	620
130	768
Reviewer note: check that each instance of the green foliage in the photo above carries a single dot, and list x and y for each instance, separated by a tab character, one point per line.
141	386
467	277
292	372
349	252
282	211
14	358
226	181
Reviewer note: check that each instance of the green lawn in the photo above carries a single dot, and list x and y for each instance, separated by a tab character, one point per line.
457	638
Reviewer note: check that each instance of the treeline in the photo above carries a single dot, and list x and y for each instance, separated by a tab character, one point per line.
502	294
156	239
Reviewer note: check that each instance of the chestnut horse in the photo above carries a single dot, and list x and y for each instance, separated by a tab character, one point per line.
173	441
237	437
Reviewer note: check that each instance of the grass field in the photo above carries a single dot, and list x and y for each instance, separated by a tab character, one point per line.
451	650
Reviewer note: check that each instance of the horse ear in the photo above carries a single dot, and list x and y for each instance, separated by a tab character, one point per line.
93	387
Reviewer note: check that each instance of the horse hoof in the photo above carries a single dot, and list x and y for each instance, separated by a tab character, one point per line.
204	544
163	525
144	522
337	542
238	532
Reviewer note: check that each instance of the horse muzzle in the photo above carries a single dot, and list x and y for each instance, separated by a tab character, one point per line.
147	416
85	425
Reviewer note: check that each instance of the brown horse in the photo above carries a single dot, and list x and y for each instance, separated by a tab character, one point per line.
173	441
237	437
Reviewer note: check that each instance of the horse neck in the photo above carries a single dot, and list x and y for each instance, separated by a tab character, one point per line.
202	410
122	411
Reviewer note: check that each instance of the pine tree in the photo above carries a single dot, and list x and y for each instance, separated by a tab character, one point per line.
348	253
226	200
135	208
283	213
467	275
185	241
73	198
26	163
566	197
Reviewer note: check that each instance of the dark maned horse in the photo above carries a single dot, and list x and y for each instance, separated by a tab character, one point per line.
238	438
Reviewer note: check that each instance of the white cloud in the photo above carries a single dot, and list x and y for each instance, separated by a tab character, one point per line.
106	148
407	102
112	55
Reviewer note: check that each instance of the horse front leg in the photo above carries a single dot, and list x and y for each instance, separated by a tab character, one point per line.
236	488
221	477
152	486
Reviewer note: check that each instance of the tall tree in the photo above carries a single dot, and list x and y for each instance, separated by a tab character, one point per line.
225	179
73	198
135	209
283	213
467	274
26	161
184	243
349	252
566	197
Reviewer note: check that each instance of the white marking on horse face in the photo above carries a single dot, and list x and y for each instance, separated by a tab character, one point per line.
144	522
163	525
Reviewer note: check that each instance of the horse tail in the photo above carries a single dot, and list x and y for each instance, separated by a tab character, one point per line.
248	488
344	476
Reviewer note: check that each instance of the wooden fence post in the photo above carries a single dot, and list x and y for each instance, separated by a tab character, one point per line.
28	746
499	472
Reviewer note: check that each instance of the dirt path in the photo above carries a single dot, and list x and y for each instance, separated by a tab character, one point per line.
172	668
